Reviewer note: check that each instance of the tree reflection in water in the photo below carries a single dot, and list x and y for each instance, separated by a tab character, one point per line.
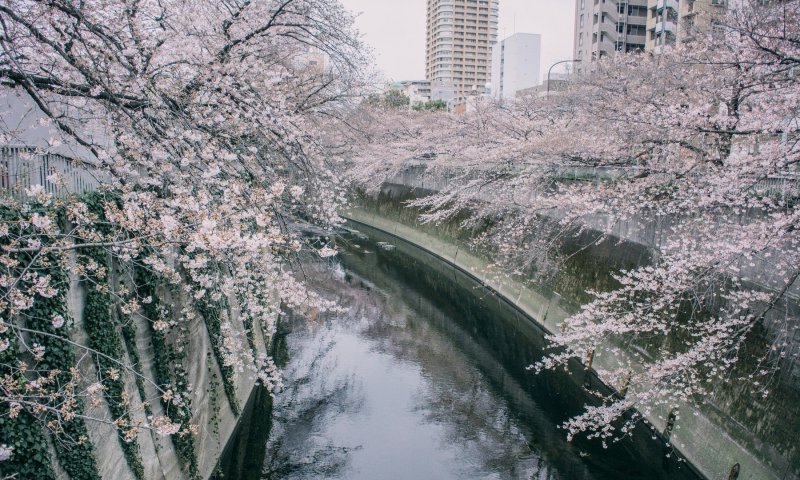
423	378
365	385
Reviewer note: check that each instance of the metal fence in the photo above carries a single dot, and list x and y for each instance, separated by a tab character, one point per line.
22	167
786	184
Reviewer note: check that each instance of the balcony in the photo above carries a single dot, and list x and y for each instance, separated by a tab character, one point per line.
607	47
610	10
673	4
668	26
637	20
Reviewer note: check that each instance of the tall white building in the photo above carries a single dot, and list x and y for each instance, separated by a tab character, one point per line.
460	35
515	64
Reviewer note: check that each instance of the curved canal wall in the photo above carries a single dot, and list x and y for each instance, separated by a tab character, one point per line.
711	439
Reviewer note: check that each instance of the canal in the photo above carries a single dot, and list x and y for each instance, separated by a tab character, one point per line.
422	376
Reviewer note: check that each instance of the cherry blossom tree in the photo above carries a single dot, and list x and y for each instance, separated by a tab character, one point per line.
212	129
701	139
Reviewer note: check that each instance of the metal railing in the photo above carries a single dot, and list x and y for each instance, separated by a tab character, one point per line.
22	167
785	184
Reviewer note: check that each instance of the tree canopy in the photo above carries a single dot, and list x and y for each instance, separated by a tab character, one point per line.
699	142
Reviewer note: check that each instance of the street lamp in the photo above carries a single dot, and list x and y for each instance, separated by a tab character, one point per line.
551	69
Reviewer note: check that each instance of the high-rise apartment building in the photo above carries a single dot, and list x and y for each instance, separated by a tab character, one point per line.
671	21
515	64
460	36
603	27
606	26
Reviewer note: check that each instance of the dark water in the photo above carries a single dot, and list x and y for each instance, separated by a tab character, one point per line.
422	378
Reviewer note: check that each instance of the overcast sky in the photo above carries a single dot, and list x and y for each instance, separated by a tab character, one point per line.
395	29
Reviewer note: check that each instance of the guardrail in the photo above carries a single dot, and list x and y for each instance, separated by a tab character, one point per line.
22	167
785	184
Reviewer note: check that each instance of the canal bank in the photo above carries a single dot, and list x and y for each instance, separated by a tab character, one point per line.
711	440
424	377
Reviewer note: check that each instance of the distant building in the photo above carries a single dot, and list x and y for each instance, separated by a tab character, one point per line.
444	92
313	60
460	35
558	82
603	27
515	64
418	91
423	91
671	21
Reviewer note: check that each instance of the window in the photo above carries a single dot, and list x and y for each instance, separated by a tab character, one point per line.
580	39
717	30
636	11
636	29
581	19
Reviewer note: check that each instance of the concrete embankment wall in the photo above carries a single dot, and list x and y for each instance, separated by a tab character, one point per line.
212	413
755	435
651	232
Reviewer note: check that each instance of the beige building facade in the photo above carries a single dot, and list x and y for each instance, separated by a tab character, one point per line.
603	27
460	36
672	21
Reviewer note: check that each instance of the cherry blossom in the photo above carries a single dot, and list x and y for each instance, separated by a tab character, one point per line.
692	152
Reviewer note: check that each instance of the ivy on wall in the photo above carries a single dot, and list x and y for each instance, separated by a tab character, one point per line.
104	337
31	459
211	310
24	431
106	332
74	450
164	358
129	336
213	397
248	322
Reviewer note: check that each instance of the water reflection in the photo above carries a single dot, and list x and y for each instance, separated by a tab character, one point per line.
423	378
379	392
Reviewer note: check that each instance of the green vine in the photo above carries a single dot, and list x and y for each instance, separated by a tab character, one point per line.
213	397
75	452
247	321
23	432
31	458
163	357
248	325
105	339
211	310
129	336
